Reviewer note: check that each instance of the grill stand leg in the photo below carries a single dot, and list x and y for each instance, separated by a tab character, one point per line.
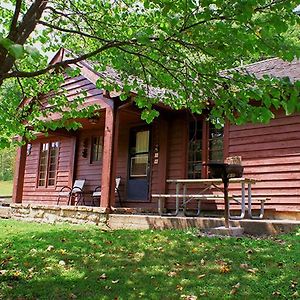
225	182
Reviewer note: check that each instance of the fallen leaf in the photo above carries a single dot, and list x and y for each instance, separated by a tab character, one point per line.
72	296
202	262
244	266
224	269
16	275
172	274
276	293
33	251
50	248
179	287
62	263
293	284
189	297
295	295
252	271
115	281
201	276
62	251
237	286
233	291
103	276
189	264
2	272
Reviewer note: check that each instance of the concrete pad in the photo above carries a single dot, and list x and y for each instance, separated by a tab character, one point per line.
222	230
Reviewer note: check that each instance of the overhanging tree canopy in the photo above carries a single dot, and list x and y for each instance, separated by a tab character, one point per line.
178	46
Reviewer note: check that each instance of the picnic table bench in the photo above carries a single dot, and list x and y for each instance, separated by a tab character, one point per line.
182	198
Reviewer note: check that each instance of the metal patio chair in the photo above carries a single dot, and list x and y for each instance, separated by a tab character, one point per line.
74	195
97	192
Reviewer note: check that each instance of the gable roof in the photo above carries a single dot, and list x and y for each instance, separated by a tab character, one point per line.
275	67
111	75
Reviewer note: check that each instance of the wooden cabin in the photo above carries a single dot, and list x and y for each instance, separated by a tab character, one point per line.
175	145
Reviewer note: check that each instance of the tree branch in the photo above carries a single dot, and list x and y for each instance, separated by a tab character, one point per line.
63	64
14	22
72	31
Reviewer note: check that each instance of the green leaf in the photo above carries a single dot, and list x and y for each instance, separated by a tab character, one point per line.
16	50
32	51
5	42
149	115
73	72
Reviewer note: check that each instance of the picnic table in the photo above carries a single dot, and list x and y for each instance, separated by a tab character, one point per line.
204	193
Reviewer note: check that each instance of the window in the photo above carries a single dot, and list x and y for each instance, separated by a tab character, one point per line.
216	143
96	151
139	156
48	164
195	150
213	138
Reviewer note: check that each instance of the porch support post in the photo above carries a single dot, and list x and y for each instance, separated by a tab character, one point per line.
115	158
106	182
19	174
163	154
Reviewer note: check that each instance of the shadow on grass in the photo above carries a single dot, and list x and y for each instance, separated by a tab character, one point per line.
65	262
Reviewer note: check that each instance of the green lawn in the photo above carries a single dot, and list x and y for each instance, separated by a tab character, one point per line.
77	262
6	188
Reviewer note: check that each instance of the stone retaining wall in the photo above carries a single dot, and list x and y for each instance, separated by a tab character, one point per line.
100	217
58	214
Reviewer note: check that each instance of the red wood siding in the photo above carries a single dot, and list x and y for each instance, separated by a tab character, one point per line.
34	194
84	169
177	155
271	153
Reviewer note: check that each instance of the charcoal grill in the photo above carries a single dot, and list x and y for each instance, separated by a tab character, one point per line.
225	171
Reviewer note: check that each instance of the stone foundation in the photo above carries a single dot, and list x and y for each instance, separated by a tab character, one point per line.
99	216
58	214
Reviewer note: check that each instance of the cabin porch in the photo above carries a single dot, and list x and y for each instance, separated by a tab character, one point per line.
146	156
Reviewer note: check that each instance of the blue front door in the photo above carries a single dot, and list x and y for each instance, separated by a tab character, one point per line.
139	162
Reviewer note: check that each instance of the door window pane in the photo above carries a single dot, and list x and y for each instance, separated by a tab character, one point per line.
139	165
142	141
139	153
